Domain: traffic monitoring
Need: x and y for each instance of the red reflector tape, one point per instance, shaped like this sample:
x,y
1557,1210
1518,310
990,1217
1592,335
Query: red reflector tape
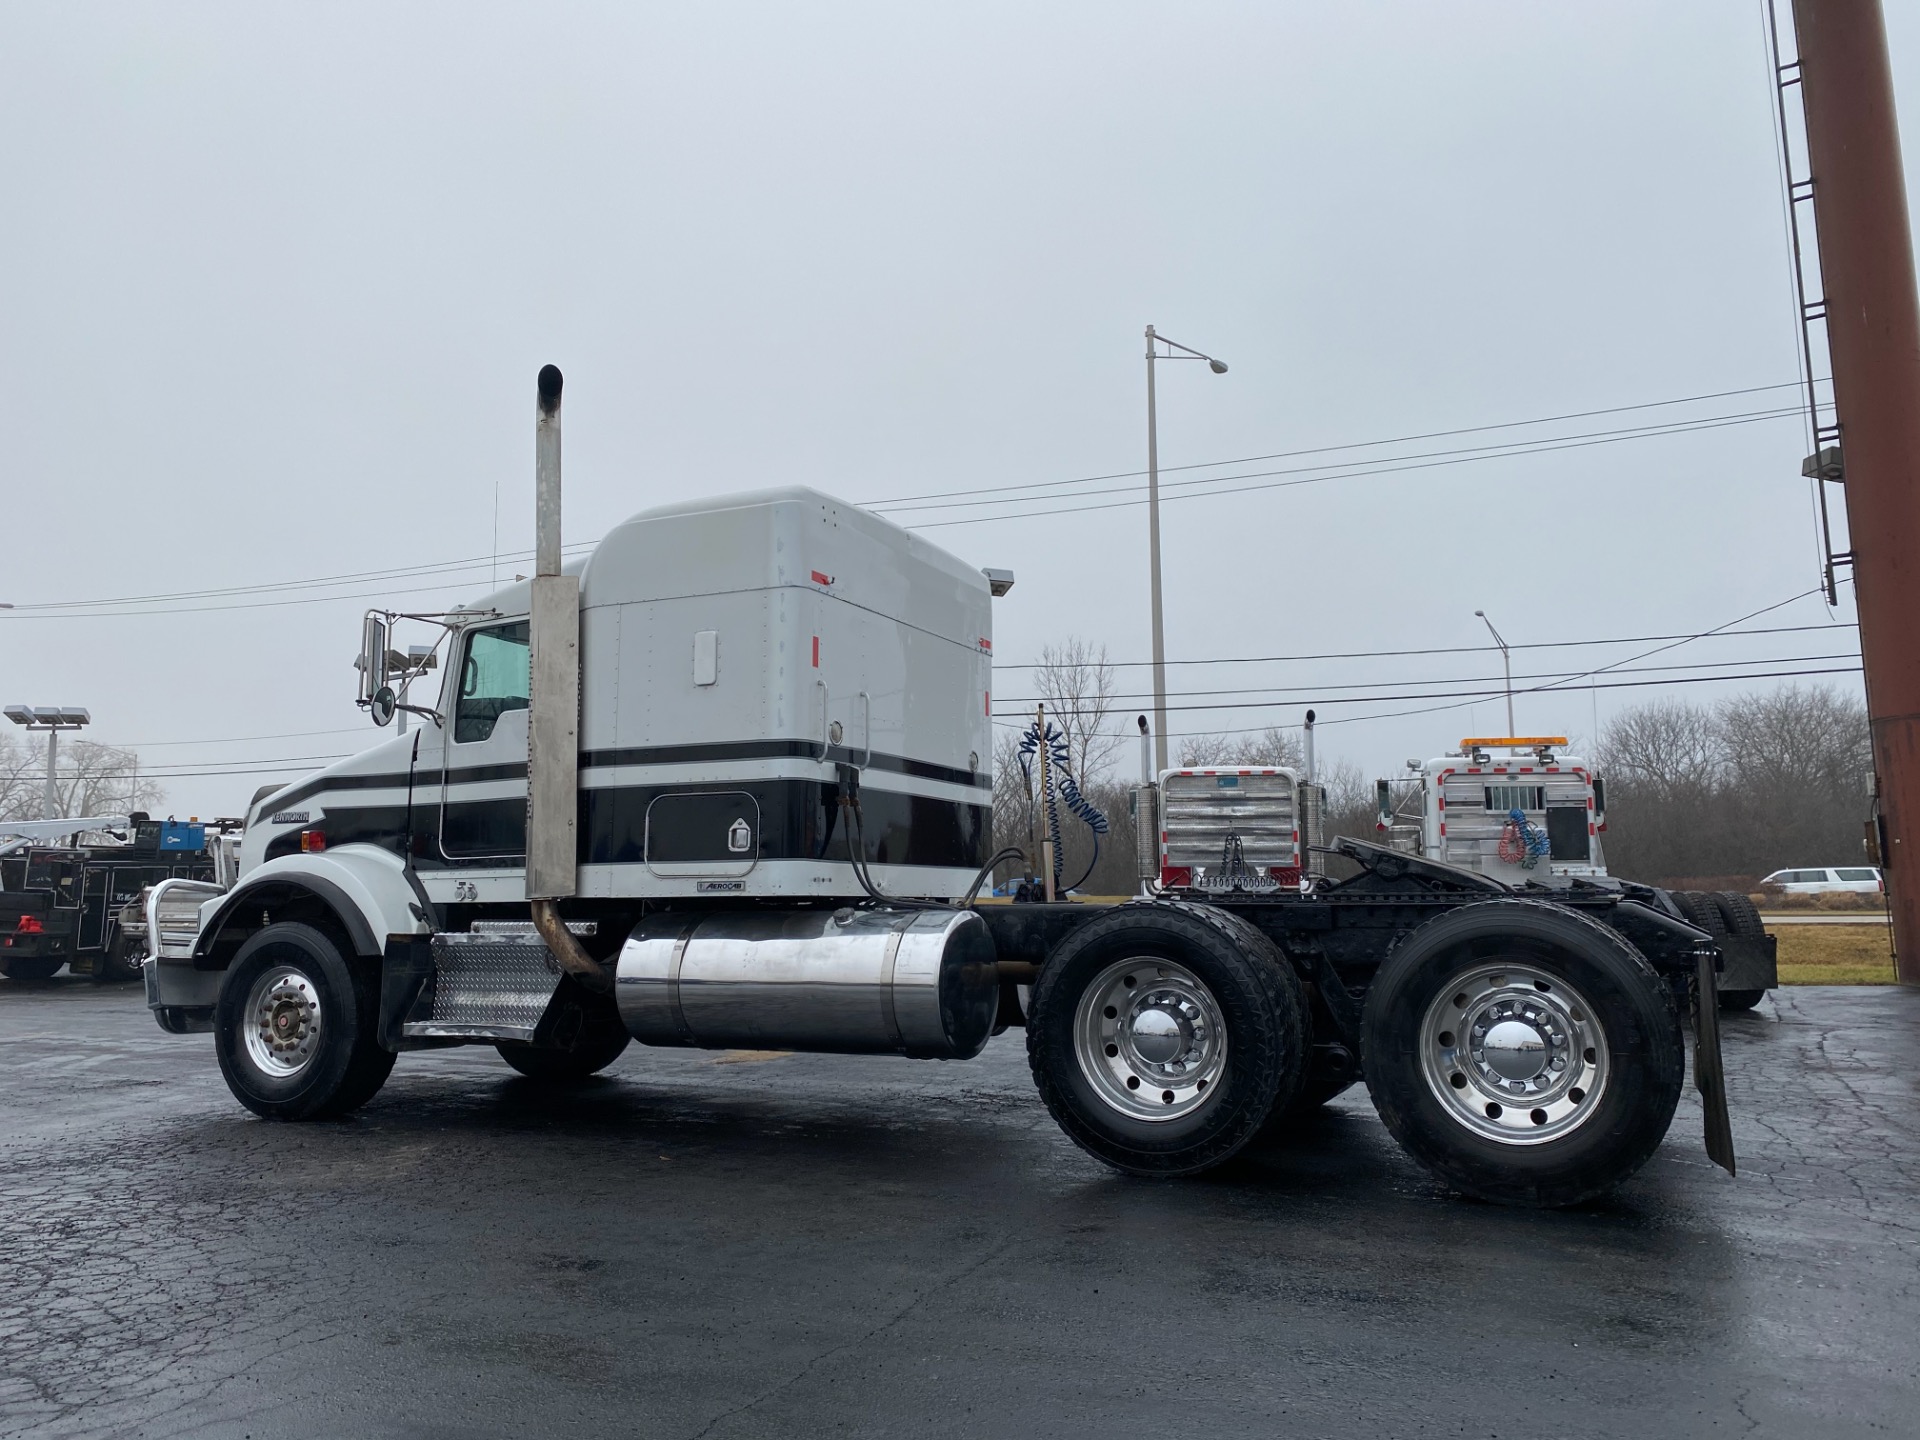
x,y
820,579
816,652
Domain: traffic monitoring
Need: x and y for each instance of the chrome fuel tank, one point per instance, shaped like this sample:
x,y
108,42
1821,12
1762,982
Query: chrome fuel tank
x,y
918,982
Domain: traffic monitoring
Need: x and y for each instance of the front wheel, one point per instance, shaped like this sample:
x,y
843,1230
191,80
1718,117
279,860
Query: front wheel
x,y
1162,1036
1523,1053
119,962
295,1027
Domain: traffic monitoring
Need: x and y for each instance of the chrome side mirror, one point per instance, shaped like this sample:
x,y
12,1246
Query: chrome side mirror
x,y
372,663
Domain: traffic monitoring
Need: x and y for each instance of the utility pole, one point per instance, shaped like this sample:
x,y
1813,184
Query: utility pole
x,y
1873,329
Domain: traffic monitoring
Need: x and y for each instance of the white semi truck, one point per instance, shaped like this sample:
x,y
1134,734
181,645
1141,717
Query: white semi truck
x,y
727,783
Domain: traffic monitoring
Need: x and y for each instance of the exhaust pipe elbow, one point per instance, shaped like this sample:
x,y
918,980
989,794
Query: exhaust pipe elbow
x,y
567,950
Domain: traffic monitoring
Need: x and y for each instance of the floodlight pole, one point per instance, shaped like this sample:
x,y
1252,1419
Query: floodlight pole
x,y
1154,342
52,719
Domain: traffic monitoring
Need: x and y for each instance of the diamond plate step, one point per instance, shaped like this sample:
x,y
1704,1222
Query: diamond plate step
x,y
491,984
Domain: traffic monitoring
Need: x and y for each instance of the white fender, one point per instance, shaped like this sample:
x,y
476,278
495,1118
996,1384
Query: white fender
x,y
365,880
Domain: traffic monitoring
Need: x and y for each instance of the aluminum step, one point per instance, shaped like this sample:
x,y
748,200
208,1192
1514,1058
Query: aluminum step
x,y
493,982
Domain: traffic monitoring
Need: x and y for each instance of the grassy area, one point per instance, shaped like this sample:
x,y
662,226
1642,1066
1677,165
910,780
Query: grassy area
x,y
1834,955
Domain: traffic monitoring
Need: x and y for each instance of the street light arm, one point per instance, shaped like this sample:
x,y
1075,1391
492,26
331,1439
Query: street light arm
x,y
1189,352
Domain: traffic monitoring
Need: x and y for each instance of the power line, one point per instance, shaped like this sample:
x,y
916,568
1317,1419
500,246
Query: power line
x,y
161,771
1467,697
1350,445
1704,634
108,605
224,739
1320,479
1332,698
1482,452
1454,649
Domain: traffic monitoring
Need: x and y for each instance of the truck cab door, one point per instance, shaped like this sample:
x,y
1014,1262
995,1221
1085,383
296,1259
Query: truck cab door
x,y
483,798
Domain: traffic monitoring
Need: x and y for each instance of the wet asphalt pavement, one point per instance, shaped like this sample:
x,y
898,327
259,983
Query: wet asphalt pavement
x,y
725,1245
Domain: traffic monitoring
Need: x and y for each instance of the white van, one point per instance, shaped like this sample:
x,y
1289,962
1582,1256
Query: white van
x,y
1853,879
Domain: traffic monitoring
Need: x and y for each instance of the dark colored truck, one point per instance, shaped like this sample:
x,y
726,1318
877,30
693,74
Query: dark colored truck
x,y
60,905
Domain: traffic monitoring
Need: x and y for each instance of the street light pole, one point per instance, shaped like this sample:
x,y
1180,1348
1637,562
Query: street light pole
x,y
1154,341
1506,664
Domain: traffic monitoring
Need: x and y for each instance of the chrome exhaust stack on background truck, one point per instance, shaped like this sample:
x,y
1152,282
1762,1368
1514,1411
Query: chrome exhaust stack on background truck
x,y
727,783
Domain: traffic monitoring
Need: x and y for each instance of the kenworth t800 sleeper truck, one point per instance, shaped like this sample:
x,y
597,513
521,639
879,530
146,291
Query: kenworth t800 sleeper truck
x,y
727,783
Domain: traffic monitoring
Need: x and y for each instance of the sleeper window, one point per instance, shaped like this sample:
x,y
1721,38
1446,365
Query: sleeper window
x,y
494,678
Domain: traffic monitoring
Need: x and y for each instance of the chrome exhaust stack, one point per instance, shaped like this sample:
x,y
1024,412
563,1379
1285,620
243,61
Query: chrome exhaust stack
x,y
553,735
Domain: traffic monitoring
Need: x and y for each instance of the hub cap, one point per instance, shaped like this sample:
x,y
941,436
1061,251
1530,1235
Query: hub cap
x,y
282,1022
1150,1039
1514,1053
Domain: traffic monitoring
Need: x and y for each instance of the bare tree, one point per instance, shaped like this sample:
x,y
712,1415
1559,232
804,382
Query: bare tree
x,y
1076,680
1272,746
90,779
1756,783
1669,747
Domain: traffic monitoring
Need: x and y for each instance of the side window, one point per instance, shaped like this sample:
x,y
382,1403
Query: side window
x,y
495,677
1860,874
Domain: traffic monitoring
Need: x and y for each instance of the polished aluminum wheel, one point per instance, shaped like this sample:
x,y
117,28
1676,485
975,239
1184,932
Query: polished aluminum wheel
x,y
282,1021
1514,1054
1150,1038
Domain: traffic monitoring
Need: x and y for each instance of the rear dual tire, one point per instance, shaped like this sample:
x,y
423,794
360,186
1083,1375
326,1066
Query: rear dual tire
x,y
589,1036
1723,914
1163,1036
1524,1054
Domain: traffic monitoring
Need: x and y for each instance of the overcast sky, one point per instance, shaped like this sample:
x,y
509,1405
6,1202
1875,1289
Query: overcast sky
x,y
277,281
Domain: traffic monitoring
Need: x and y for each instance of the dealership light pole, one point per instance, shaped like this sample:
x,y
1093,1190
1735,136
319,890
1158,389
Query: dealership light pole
x,y
1506,663
52,719
1154,342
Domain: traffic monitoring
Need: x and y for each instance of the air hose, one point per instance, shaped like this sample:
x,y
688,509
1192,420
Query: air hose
x,y
1522,842
1062,789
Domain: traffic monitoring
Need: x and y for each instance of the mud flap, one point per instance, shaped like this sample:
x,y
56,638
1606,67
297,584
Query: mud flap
x,y
1709,1075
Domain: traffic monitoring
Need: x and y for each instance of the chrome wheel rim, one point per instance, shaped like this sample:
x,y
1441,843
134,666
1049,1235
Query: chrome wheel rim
x,y
1150,1039
283,1022
1514,1054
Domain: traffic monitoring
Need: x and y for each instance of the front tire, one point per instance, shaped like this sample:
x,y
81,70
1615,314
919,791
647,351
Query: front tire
x,y
1523,1053
296,1027
1162,1036
113,965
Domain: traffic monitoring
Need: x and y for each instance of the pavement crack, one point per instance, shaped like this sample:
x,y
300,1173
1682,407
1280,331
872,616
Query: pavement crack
x,y
837,1350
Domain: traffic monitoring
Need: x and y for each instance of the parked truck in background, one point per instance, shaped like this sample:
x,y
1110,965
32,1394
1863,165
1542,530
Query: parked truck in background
x,y
77,904
726,782
1518,808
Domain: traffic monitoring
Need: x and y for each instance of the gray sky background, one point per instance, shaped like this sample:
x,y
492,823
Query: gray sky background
x,y
278,279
